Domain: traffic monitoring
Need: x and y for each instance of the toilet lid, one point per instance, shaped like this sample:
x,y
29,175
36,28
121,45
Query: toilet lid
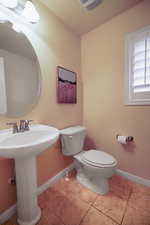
x,y
98,158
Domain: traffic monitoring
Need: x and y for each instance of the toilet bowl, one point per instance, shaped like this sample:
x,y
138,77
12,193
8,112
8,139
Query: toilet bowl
x,y
94,173
94,167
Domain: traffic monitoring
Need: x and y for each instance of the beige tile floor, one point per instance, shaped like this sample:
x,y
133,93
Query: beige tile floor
x,y
69,203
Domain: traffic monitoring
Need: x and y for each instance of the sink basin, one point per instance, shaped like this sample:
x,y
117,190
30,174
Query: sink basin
x,y
24,147
31,142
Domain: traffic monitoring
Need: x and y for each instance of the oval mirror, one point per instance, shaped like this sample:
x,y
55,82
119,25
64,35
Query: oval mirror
x,y
20,81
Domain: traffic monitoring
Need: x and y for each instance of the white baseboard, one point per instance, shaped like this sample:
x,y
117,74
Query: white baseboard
x,y
134,178
8,214
12,210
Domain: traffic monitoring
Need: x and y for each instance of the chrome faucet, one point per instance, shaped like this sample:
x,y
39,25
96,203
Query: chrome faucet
x,y
15,127
24,126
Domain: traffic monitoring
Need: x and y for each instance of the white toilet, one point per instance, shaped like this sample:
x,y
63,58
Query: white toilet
x,y
94,167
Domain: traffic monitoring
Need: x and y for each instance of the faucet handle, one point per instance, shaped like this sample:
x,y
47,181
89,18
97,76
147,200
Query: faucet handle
x,y
22,125
27,122
15,127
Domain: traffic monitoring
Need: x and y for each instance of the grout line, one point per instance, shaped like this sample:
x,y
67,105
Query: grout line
x,y
126,205
95,200
90,206
124,213
106,215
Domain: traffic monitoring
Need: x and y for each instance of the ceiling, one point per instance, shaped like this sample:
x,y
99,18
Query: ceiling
x,y
81,21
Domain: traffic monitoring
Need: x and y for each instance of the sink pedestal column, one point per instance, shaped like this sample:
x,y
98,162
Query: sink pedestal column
x,y
27,208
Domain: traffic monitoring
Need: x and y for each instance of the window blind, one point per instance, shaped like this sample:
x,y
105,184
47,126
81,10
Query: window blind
x,y
137,67
141,66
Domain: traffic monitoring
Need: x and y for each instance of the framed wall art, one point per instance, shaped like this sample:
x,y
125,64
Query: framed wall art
x,y
66,86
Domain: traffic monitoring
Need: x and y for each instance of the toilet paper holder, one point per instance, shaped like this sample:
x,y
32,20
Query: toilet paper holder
x,y
128,138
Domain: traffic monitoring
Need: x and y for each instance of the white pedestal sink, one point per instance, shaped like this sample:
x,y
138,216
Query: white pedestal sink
x,y
24,147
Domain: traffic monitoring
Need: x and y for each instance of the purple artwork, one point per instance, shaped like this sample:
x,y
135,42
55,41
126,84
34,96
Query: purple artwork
x,y
67,86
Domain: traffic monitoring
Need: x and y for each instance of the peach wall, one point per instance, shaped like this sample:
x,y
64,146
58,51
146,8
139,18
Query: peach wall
x,y
54,45
51,162
104,114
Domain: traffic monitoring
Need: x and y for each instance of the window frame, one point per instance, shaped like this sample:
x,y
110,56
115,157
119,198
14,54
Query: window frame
x,y
129,99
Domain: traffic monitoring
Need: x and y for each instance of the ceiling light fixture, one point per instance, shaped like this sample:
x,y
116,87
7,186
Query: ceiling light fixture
x,y
22,8
9,3
30,13
90,4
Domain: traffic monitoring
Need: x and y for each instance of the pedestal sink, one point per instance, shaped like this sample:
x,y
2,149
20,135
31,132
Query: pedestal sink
x,y
24,147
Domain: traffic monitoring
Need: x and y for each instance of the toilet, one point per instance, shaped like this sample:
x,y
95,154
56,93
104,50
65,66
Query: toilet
x,y
94,167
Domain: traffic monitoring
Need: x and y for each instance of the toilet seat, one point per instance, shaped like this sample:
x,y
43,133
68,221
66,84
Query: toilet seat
x,y
98,158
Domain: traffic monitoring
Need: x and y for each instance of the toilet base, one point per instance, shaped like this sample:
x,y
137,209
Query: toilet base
x,y
97,185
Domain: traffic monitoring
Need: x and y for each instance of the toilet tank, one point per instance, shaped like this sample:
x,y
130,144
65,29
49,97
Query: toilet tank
x,y
72,140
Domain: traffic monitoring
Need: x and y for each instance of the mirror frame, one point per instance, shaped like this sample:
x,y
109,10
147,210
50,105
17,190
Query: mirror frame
x,y
25,28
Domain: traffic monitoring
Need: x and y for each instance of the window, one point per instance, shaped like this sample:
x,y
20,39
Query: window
x,y
137,68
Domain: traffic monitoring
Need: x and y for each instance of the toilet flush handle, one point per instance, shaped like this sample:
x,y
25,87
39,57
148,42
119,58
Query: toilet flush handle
x,y
70,137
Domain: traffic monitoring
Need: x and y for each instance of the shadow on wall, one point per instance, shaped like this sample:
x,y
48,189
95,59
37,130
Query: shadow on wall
x,y
89,143
129,147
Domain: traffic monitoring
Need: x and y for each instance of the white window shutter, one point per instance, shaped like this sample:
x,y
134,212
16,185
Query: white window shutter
x,y
137,68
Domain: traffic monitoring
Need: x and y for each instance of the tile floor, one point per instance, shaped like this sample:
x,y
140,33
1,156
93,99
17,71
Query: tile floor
x,y
69,203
